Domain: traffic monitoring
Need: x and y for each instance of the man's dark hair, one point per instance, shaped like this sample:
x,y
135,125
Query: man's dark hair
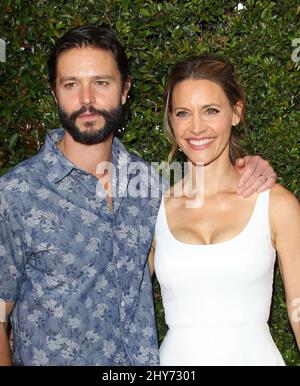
x,y
89,36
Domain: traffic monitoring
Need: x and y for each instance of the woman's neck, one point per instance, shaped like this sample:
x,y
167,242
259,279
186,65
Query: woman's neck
x,y
218,176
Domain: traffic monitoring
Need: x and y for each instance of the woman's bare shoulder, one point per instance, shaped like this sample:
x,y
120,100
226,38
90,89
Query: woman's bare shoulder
x,y
283,202
174,191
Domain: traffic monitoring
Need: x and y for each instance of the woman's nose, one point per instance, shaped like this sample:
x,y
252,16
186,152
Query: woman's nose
x,y
198,125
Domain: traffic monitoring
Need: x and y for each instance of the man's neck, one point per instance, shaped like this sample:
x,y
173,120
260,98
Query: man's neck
x,y
86,157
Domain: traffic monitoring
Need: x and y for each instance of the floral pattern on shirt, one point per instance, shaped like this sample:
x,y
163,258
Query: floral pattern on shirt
x,y
77,271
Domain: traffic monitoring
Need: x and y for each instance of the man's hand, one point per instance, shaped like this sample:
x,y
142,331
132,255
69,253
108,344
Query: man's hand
x,y
5,352
5,347
257,175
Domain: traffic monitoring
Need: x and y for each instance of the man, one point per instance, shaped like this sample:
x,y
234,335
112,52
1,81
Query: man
x,y
73,255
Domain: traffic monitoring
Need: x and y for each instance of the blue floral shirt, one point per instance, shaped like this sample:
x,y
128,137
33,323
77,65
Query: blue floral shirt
x,y
78,271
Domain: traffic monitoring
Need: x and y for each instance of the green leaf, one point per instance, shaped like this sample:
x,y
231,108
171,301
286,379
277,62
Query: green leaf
x,y
13,140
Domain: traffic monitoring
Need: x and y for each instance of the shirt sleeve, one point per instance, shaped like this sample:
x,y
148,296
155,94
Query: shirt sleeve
x,y
11,251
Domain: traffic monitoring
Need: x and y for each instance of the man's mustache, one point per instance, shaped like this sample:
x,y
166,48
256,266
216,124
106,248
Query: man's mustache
x,y
90,110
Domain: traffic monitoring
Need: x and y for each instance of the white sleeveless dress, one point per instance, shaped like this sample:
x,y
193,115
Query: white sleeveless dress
x,y
217,297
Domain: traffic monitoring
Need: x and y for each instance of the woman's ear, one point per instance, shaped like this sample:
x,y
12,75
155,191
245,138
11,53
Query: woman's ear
x,y
237,113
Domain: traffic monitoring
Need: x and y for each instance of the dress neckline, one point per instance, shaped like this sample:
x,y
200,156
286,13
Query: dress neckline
x,y
235,238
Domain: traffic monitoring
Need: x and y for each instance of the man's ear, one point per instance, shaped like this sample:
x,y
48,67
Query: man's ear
x,y
54,96
125,90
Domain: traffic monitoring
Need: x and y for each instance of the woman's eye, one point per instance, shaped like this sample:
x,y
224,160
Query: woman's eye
x,y
181,114
212,111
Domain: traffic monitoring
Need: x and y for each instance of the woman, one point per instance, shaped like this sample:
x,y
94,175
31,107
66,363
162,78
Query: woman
x,y
214,261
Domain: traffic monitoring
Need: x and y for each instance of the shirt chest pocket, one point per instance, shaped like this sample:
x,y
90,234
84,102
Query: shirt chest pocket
x,y
51,262
52,272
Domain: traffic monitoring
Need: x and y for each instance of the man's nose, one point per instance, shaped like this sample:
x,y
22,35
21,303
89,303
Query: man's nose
x,y
86,95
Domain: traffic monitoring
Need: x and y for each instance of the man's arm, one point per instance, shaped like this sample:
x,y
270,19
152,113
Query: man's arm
x,y
12,262
5,352
257,175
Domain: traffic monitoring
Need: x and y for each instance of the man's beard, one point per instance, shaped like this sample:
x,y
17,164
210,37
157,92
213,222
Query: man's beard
x,y
113,120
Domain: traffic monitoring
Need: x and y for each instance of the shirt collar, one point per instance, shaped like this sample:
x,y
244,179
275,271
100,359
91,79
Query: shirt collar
x,y
60,166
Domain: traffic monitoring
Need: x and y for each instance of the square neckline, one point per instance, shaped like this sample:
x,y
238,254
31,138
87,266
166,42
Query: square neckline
x,y
239,235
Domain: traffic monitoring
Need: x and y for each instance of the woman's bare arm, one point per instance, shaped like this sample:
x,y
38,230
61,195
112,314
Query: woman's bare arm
x,y
151,257
285,225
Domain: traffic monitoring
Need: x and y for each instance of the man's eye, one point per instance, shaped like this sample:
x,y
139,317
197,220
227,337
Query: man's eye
x,y
212,111
101,83
181,114
69,85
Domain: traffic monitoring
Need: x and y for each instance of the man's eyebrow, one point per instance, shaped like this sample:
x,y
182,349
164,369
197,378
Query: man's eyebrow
x,y
74,78
103,76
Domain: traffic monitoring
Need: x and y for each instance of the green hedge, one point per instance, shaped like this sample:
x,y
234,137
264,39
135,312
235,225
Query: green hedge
x,y
257,39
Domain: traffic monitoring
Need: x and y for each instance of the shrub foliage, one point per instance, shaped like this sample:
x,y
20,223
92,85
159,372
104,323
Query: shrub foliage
x,y
257,39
